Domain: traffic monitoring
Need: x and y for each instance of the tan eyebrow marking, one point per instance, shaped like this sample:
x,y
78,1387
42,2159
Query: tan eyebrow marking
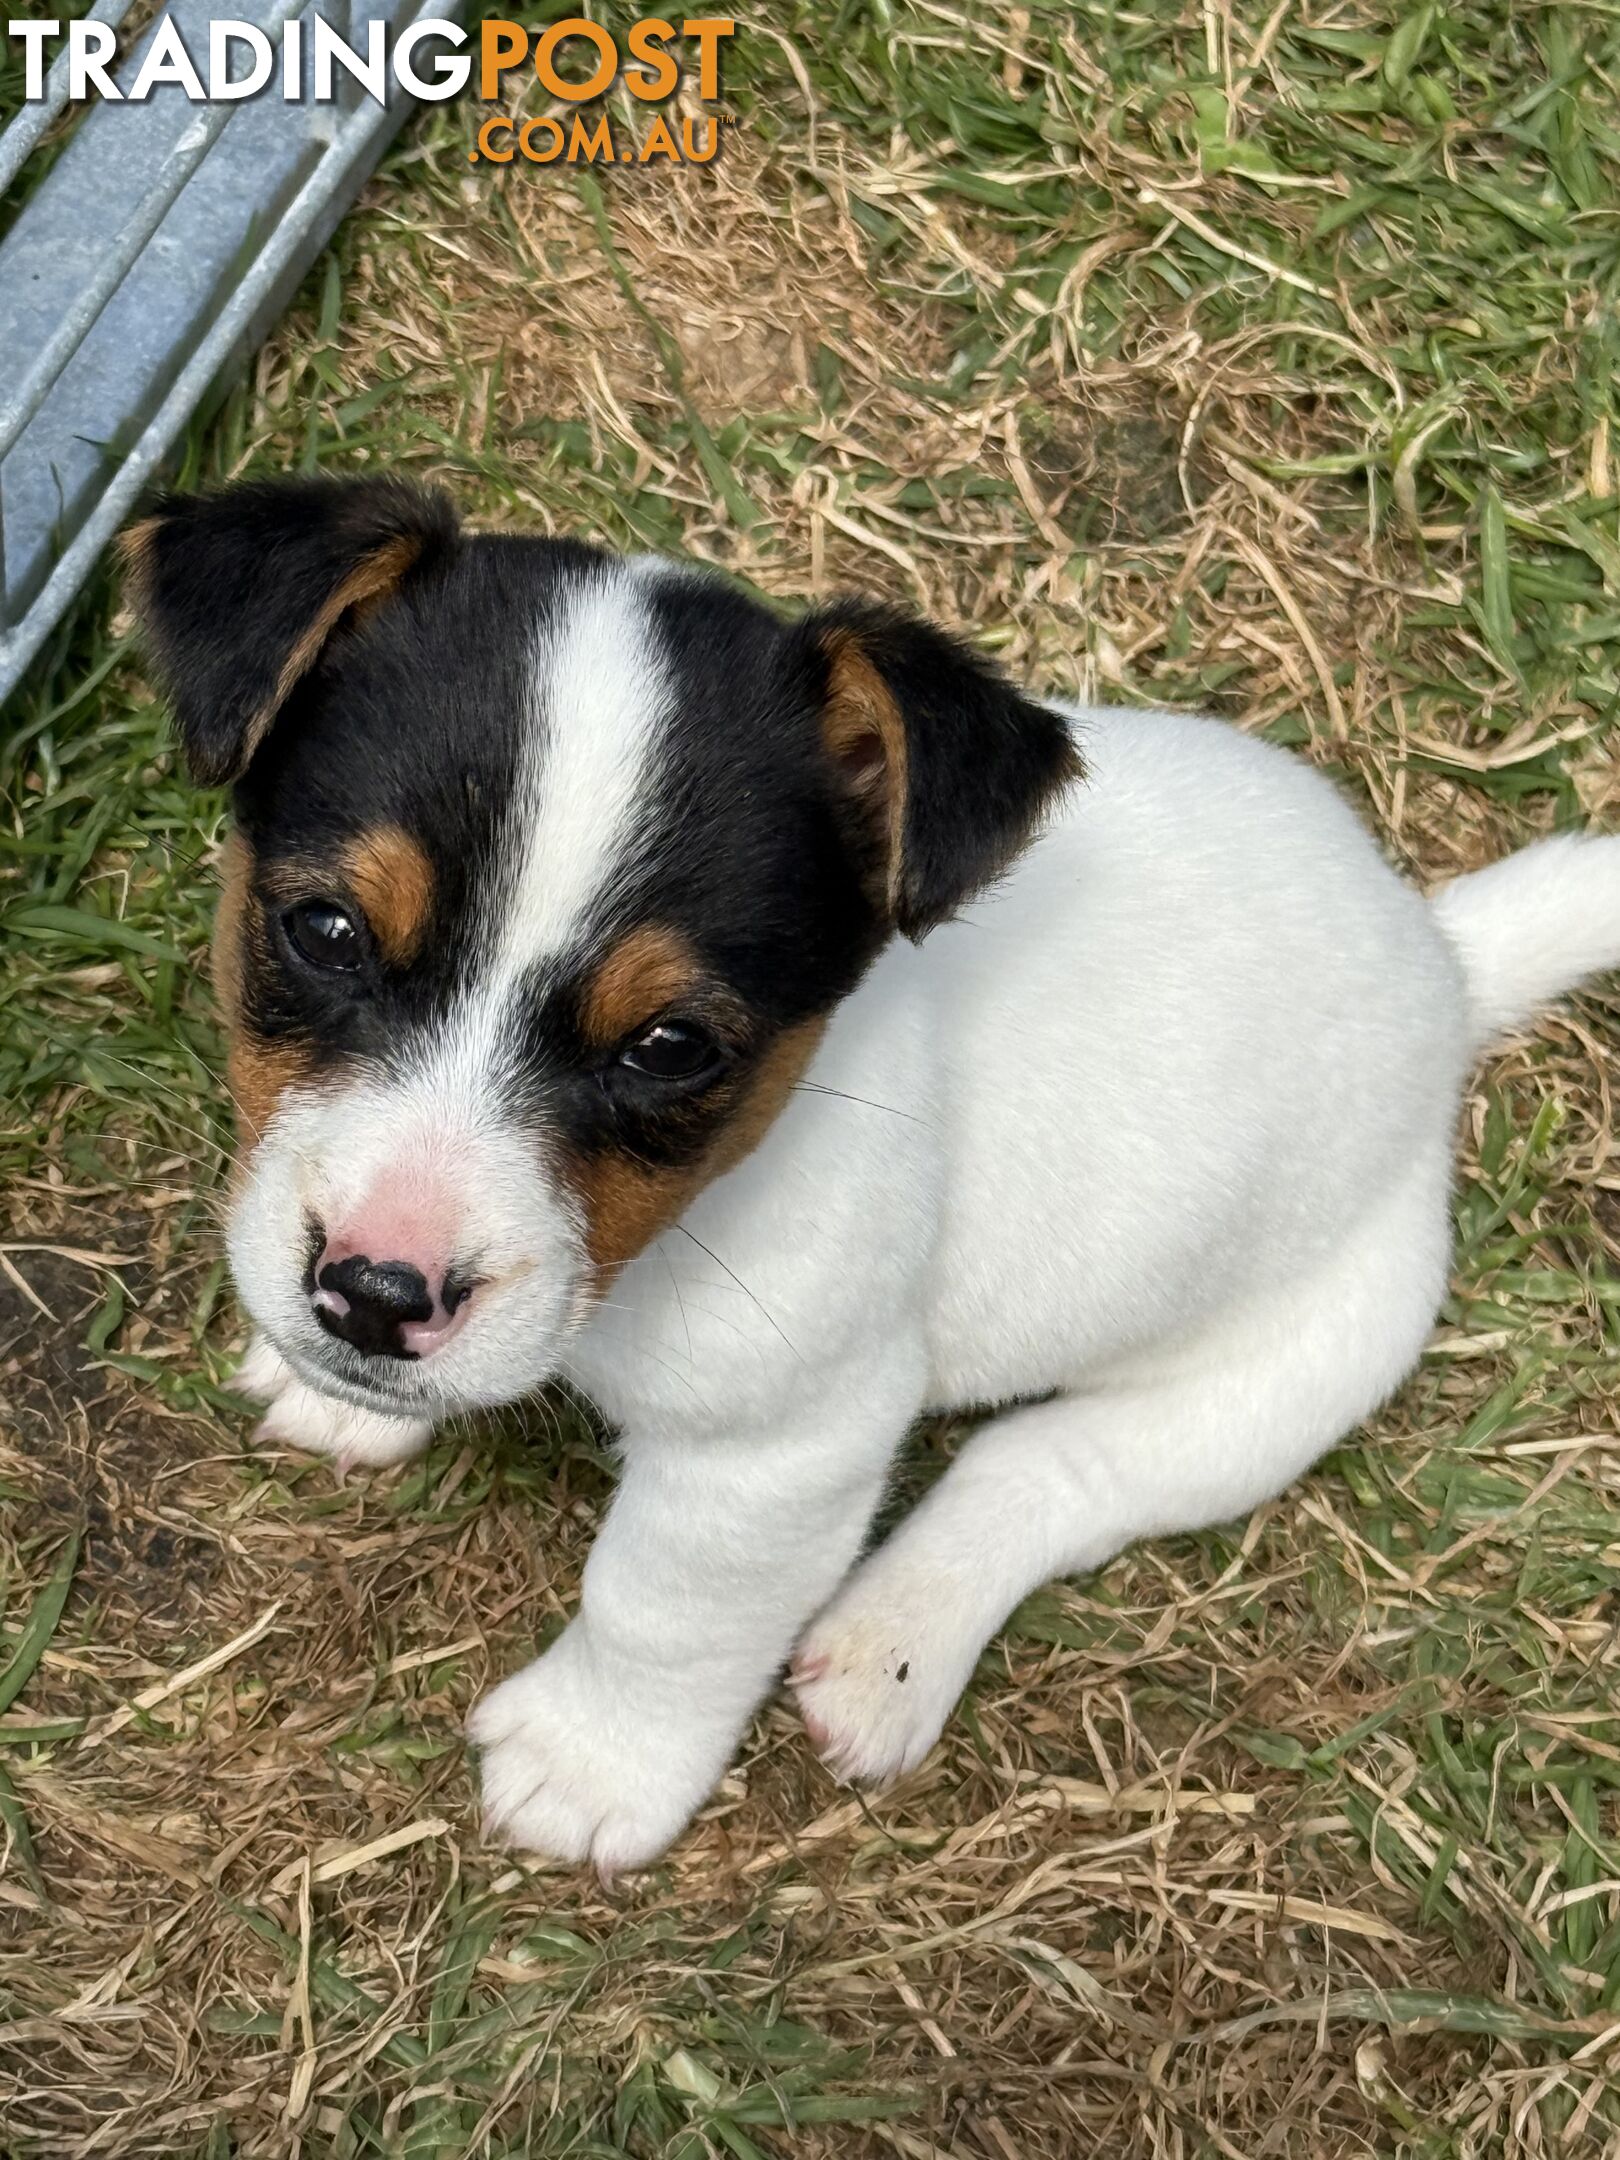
x,y
650,969
392,878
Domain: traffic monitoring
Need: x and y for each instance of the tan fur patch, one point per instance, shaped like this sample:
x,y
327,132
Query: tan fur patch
x,y
864,733
392,879
774,1079
230,917
626,1203
648,971
134,548
258,1073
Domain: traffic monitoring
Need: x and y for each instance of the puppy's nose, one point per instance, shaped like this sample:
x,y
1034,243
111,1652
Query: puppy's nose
x,y
386,1308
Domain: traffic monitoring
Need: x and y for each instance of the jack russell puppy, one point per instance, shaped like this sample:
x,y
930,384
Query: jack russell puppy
x,y
777,1030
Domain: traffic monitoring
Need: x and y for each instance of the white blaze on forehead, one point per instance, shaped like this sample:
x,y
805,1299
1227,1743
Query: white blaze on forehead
x,y
600,697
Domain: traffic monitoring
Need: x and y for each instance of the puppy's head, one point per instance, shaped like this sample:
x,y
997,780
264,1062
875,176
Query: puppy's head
x,y
548,868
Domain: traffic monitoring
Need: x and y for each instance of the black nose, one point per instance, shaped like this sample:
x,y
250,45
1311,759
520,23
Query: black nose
x,y
366,1302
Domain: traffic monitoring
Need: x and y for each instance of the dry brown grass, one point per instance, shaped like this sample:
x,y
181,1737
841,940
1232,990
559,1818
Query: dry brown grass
x,y
1294,1839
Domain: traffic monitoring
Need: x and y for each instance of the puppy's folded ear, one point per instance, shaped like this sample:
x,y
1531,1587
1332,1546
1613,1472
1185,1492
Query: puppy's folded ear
x,y
239,591
946,767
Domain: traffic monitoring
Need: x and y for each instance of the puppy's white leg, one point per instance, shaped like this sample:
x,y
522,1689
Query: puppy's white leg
x,y
1060,1487
715,1553
299,1417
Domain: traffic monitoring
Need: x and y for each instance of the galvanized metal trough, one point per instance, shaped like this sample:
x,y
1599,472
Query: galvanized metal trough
x,y
149,261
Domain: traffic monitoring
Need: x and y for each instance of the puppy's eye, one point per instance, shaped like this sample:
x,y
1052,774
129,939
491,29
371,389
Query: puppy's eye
x,y
674,1050
325,935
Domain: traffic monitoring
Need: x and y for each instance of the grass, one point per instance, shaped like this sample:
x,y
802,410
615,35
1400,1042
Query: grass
x,y
1259,360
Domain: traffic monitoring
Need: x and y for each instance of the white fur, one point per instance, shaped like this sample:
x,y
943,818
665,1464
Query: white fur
x,y
600,700
1530,926
1160,1130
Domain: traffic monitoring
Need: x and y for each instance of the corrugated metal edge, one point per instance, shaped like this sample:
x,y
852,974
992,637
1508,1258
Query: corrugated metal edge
x,y
267,286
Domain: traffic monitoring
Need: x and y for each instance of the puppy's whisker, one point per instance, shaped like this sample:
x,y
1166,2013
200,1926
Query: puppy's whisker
x,y
674,1284
741,1285
217,1143
153,1080
816,1087
725,1320
637,1313
638,1348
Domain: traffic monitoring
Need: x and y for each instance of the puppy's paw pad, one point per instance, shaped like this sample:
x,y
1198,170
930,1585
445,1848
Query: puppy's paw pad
x,y
315,1424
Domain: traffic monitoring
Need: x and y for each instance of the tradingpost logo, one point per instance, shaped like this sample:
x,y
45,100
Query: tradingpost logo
x,y
575,61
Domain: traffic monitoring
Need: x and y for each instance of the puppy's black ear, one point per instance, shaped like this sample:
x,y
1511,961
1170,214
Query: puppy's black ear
x,y
946,767
239,591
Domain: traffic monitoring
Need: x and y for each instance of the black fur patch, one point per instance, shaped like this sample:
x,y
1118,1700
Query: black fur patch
x,y
229,585
982,760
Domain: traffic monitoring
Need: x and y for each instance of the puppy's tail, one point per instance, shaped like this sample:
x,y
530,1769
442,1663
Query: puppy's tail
x,y
1534,925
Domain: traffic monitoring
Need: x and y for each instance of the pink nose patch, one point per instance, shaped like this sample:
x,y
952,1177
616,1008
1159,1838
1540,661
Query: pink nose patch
x,y
422,1337
414,1223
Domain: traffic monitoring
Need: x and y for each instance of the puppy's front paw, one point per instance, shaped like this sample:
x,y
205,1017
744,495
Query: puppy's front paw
x,y
573,1769
319,1426
299,1417
263,1373
876,1677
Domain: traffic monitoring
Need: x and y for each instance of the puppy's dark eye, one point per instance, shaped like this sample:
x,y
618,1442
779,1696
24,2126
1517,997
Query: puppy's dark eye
x,y
674,1050
325,935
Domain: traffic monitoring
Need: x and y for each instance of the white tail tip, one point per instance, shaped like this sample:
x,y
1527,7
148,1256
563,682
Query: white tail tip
x,y
1533,926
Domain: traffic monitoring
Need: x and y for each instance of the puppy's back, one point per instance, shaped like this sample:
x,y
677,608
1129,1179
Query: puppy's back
x,y
1190,1039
